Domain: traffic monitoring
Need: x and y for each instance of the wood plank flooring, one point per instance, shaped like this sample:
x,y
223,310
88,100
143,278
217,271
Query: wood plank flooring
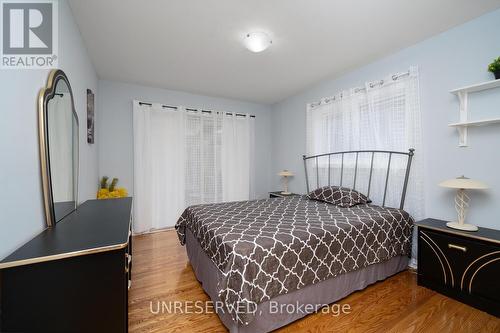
x,y
161,272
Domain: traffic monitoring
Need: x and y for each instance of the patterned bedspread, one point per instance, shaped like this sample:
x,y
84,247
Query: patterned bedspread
x,y
265,248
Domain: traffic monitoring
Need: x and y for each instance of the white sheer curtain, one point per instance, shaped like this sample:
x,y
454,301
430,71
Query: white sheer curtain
x,y
159,165
203,155
184,157
236,162
383,115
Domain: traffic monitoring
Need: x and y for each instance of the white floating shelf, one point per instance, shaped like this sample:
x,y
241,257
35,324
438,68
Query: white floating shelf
x,y
478,87
464,123
476,122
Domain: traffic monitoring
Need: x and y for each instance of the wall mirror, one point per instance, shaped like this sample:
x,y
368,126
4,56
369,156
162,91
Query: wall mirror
x,y
58,136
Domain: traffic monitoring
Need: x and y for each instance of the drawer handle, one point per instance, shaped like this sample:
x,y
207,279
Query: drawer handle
x,y
128,259
457,247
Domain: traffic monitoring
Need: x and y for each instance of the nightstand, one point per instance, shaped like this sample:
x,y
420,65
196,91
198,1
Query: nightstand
x,y
460,264
277,194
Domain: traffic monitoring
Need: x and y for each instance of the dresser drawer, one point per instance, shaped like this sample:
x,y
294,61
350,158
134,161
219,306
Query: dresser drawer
x,y
466,265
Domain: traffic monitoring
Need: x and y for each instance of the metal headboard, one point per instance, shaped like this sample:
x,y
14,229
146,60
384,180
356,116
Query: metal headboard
x,y
410,154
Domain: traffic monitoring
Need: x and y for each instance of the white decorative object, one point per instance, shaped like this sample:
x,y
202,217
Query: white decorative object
x,y
462,200
463,96
285,174
257,41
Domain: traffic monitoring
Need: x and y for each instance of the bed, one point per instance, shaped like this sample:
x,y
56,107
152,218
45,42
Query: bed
x,y
253,257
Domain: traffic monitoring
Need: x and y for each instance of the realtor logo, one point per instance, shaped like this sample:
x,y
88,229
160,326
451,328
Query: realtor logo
x,y
29,34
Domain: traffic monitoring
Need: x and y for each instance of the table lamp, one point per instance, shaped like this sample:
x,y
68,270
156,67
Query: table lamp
x,y
285,174
462,199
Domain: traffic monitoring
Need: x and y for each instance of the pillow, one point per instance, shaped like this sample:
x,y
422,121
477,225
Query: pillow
x,y
339,196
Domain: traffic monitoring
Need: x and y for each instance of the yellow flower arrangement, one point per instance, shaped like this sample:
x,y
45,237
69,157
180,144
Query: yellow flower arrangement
x,y
104,193
111,192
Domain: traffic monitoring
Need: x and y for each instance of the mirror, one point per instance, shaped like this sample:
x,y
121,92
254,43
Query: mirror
x,y
58,127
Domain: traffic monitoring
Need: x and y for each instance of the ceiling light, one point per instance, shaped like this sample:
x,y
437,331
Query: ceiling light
x,y
257,41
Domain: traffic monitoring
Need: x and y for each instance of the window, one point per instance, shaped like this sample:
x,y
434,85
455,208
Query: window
x,y
383,115
185,157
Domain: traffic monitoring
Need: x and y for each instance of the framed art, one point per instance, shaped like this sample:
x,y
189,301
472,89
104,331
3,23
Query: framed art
x,y
90,116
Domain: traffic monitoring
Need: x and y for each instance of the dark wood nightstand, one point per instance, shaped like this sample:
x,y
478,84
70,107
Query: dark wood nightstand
x,y
460,264
277,194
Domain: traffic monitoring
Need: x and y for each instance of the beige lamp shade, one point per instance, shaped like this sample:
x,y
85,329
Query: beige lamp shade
x,y
462,200
285,173
464,183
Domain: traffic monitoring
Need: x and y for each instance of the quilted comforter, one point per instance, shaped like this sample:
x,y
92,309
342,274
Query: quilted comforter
x,y
265,248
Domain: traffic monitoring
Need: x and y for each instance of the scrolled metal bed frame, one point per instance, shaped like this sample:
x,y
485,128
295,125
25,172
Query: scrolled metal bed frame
x,y
410,154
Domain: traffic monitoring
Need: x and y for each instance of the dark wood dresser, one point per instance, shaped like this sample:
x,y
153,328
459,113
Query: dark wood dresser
x,y
460,264
73,277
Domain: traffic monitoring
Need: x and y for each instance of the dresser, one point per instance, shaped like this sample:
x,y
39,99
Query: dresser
x,y
73,277
460,264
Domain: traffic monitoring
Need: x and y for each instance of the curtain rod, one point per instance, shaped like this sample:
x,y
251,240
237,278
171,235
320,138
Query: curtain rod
x,y
372,84
381,82
194,109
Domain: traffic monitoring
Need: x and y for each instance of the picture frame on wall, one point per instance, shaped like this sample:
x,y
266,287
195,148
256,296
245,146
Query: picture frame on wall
x,y
90,117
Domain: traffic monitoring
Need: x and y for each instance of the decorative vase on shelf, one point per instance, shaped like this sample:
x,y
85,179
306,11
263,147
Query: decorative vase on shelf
x,y
497,74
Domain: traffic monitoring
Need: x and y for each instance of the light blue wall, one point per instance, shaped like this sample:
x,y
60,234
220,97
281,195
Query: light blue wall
x,y
21,209
116,133
453,59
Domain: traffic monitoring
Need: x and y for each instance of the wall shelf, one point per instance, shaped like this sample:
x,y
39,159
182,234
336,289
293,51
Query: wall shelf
x,y
477,122
478,87
464,123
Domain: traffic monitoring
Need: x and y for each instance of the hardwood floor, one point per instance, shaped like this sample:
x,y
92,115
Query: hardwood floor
x,y
161,272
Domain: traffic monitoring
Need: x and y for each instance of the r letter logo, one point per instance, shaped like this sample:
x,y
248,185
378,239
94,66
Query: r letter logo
x,y
29,34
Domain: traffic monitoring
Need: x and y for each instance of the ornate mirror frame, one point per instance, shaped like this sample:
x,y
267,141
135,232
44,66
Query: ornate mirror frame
x,y
44,96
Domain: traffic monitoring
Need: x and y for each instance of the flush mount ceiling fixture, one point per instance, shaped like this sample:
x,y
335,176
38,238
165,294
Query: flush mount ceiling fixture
x,y
257,41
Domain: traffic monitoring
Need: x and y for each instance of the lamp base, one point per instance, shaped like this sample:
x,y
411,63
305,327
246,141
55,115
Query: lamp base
x,y
286,193
465,226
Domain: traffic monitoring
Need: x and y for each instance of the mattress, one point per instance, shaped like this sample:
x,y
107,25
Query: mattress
x,y
268,248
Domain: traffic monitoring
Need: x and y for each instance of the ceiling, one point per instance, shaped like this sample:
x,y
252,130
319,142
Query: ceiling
x,y
196,45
